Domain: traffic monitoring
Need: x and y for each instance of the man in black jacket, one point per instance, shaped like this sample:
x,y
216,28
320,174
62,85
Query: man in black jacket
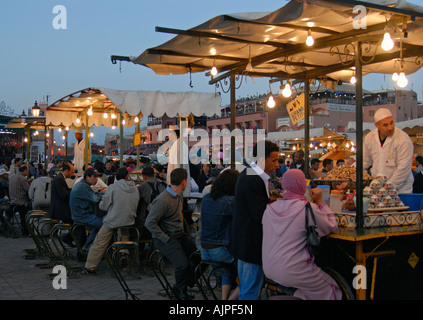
x,y
59,206
251,199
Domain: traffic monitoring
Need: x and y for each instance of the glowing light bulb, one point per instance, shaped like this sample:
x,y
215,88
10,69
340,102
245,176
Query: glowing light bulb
x,y
90,112
271,102
213,71
353,80
67,128
64,137
309,41
395,76
47,134
78,120
287,92
136,120
60,129
402,80
25,139
91,134
105,115
249,66
113,127
387,43
123,122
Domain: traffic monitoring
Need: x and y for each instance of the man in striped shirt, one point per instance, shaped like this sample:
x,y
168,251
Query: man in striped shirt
x,y
18,192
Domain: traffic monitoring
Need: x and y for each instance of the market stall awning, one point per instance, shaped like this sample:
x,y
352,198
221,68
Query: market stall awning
x,y
298,135
274,43
105,105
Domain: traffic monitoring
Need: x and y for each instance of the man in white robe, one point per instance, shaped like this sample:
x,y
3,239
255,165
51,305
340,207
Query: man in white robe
x,y
389,151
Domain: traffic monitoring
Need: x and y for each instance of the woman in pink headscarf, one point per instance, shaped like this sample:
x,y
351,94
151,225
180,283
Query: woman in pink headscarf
x,y
286,259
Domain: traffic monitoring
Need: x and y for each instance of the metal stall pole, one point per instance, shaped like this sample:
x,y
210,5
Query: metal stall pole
x,y
233,115
87,142
359,137
137,131
45,147
121,140
66,146
307,126
28,149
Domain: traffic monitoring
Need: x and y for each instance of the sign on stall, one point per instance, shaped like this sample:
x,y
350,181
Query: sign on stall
x,y
137,139
296,109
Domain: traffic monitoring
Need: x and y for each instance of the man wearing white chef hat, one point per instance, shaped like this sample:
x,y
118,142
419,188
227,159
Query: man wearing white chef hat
x,y
389,151
79,152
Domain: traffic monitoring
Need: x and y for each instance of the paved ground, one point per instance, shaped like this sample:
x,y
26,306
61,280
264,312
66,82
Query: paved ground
x,y
22,279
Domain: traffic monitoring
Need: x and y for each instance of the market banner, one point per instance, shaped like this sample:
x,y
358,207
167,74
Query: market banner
x,y
296,108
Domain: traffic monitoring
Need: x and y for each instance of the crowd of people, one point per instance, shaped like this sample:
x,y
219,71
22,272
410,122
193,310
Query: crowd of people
x,y
240,225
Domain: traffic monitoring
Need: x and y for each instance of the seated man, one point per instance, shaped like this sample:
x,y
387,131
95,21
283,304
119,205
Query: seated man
x,y
40,191
120,202
18,192
165,224
82,203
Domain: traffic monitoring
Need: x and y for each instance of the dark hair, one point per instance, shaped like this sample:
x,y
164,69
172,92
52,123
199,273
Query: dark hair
x,y
177,176
121,173
224,184
419,159
313,161
148,172
326,162
42,173
23,168
99,166
269,147
206,164
66,166
300,153
158,167
281,160
18,159
339,161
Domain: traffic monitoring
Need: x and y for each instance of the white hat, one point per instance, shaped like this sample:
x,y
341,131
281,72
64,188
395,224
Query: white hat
x,y
3,171
78,130
382,113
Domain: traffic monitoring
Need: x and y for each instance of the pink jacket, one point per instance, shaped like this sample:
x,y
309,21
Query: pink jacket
x,y
285,257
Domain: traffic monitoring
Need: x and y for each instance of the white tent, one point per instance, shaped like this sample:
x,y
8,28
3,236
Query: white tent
x,y
72,109
274,43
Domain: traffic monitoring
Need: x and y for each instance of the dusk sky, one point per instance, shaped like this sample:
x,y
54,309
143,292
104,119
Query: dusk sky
x,y
38,60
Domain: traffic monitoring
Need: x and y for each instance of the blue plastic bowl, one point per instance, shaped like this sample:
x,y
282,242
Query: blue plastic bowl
x,y
412,200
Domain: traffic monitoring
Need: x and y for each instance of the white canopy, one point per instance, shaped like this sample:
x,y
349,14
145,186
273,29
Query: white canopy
x,y
274,42
139,103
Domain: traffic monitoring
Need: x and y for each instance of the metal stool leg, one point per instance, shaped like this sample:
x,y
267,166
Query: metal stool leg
x,y
61,251
31,219
113,254
157,264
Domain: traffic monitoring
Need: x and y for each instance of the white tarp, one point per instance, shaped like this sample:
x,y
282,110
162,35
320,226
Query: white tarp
x,y
275,41
133,103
